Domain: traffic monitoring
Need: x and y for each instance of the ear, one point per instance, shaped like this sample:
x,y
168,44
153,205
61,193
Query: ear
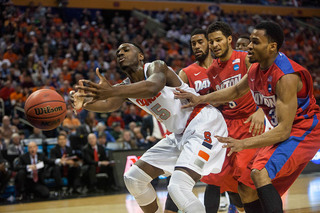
x,y
141,57
273,47
229,39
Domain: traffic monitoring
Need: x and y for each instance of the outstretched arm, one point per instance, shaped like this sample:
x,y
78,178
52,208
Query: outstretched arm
x,y
286,107
143,89
218,97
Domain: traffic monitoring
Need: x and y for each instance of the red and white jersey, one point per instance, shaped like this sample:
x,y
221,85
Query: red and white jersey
x,y
263,88
198,78
226,74
165,107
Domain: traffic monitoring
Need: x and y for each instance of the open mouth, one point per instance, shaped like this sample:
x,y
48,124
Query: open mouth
x,y
121,59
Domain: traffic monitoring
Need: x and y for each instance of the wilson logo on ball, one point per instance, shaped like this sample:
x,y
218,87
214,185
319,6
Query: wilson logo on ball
x,y
47,110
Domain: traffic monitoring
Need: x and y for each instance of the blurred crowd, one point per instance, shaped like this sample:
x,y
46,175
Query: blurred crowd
x,y
41,48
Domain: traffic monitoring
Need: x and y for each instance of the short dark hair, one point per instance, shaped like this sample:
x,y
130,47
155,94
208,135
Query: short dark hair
x,y
102,135
220,26
273,31
246,36
199,31
134,44
62,134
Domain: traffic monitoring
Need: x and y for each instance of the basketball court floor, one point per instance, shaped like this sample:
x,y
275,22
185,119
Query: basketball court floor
x,y
303,197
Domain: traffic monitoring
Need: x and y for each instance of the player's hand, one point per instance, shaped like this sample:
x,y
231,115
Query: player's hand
x,y
234,144
100,91
193,99
257,122
76,100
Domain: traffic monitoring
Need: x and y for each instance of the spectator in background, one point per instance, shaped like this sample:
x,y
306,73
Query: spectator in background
x,y
152,129
10,55
101,128
17,97
88,126
16,122
132,116
15,147
127,140
116,130
70,168
70,122
3,145
5,92
31,171
7,129
102,139
37,134
141,142
95,161
115,117
5,174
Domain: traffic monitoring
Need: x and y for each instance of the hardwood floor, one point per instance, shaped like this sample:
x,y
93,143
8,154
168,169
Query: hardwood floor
x,y
303,197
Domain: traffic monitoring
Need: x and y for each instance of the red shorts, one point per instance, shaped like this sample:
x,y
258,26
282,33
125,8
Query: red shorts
x,y
286,160
234,165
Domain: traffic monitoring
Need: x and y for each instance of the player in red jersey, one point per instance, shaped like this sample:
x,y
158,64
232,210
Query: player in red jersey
x,y
196,74
241,115
243,42
284,90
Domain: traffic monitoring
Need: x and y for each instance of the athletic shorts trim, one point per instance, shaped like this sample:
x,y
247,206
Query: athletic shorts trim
x,y
285,150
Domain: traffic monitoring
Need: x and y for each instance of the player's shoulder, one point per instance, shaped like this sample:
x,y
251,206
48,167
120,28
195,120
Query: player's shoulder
x,y
286,65
191,67
239,53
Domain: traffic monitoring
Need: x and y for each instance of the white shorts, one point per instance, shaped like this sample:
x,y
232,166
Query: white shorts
x,y
196,149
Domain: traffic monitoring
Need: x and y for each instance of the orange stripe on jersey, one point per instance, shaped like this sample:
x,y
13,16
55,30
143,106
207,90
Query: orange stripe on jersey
x,y
195,112
204,155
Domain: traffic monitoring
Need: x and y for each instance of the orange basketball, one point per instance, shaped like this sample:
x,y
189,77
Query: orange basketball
x,y
45,109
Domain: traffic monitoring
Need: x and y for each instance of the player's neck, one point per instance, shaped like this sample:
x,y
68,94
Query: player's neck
x,y
206,63
266,64
135,73
227,56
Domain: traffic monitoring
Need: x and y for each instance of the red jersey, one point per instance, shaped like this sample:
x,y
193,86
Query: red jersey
x,y
198,78
226,74
263,88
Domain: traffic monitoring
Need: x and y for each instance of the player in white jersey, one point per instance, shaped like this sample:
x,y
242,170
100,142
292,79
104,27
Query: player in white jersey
x,y
190,152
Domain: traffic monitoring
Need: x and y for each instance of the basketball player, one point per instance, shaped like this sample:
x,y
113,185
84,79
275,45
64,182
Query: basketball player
x,y
241,115
284,90
187,154
196,76
243,42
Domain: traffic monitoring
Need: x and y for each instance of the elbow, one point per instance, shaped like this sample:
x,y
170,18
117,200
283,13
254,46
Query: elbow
x,y
152,89
285,133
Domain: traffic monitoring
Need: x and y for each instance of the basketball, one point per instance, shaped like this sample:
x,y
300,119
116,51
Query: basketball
x,y
45,109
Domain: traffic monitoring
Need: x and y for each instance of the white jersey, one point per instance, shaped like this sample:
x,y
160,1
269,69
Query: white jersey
x,y
165,107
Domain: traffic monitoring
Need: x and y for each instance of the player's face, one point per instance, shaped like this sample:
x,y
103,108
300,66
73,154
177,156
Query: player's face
x,y
242,44
219,44
258,47
128,55
200,47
